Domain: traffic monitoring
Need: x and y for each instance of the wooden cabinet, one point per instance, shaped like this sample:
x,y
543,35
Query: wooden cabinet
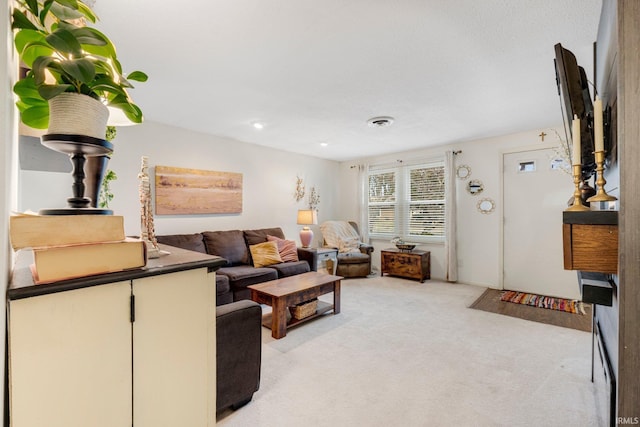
x,y
590,241
411,265
70,358
132,348
174,349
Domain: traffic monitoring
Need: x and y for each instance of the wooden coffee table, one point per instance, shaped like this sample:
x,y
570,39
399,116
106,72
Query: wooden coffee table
x,y
289,291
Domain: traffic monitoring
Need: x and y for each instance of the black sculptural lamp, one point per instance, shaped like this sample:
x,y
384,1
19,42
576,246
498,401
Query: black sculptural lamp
x,y
78,147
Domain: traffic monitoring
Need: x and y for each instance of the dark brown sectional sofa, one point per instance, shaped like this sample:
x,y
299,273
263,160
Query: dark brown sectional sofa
x,y
238,321
233,245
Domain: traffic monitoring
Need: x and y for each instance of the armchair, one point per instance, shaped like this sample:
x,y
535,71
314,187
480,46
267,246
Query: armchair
x,y
354,257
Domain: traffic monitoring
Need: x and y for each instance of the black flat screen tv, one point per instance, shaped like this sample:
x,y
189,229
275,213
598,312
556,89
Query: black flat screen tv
x,y
573,89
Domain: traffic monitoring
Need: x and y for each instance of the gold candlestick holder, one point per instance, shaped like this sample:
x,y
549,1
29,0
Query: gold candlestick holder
x,y
577,199
601,194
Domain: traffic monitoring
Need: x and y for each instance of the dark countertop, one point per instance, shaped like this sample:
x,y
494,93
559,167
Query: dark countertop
x,y
590,217
22,285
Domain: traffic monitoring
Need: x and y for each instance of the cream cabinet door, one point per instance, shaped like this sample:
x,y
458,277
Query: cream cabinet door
x,y
174,350
70,358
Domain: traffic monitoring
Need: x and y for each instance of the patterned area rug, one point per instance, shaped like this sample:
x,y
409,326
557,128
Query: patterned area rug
x,y
541,301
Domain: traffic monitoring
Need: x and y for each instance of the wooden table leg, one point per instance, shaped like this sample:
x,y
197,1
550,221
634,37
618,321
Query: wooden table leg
x,y
336,297
278,318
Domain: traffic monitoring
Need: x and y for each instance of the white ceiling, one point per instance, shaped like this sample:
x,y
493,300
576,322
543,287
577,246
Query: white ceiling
x,y
315,71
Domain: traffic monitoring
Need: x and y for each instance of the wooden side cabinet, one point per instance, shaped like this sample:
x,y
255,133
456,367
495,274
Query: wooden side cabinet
x,y
590,241
70,358
129,348
411,265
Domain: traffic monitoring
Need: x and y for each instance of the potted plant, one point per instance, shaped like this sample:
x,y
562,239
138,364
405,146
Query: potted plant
x,y
70,64
97,176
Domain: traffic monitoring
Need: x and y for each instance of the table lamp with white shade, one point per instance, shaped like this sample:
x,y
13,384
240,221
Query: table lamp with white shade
x,y
307,217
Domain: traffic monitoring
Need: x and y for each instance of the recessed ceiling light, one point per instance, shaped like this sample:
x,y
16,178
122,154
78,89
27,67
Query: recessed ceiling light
x,y
258,125
324,144
380,121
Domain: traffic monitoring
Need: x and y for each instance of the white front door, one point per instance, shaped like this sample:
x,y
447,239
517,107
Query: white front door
x,y
535,195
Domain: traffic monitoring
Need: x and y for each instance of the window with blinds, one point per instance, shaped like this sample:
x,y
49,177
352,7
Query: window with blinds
x,y
407,201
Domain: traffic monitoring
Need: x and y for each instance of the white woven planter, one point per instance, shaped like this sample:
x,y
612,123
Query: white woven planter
x,y
77,114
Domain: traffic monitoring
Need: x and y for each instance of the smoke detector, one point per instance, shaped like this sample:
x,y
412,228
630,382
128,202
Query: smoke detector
x,y
380,122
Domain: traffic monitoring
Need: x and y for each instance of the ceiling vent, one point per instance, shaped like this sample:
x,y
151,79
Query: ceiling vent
x,y
380,122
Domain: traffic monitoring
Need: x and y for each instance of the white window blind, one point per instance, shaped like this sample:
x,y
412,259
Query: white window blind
x,y
382,202
407,201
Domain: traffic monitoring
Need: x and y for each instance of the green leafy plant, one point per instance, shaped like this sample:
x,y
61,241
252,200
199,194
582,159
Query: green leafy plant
x,y
106,195
110,133
63,54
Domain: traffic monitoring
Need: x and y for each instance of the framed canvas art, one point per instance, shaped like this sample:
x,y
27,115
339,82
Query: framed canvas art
x,y
181,191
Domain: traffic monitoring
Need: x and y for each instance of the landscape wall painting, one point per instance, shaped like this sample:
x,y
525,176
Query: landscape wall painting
x,y
182,191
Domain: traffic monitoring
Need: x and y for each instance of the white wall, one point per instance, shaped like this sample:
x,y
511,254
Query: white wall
x,y
269,180
7,169
479,235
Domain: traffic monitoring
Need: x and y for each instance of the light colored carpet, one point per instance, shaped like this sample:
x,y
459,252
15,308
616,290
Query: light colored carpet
x,y
412,354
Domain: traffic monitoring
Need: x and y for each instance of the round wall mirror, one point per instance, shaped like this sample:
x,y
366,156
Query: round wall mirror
x,y
475,187
463,171
486,206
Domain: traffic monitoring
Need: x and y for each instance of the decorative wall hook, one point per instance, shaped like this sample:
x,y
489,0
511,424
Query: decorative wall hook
x,y
300,189
314,198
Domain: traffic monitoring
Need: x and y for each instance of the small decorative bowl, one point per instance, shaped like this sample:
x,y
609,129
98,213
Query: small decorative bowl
x,y
405,247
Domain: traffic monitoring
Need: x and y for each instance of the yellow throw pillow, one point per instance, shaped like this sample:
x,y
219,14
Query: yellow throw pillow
x,y
265,254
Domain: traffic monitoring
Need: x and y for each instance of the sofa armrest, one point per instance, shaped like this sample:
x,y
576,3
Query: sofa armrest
x,y
239,352
366,249
311,256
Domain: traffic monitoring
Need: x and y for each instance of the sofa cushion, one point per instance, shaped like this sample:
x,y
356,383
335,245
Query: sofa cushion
x,y
264,254
260,235
229,245
223,290
191,242
241,276
291,268
286,248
